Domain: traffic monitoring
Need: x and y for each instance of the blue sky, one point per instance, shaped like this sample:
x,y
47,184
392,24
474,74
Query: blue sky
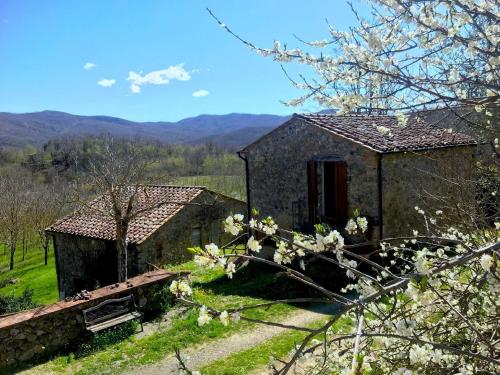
x,y
44,46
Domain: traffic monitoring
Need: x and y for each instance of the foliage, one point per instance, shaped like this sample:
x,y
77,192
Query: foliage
x,y
158,303
70,158
11,304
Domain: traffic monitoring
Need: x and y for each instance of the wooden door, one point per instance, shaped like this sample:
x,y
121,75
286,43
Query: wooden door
x,y
335,193
340,193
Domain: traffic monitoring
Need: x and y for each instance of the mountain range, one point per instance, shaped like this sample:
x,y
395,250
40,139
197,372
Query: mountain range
x,y
233,130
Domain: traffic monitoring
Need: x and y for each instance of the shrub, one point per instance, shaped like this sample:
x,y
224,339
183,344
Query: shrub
x,y
11,304
158,303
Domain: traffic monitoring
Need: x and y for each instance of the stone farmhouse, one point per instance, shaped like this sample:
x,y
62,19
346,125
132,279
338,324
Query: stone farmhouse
x,y
84,244
319,168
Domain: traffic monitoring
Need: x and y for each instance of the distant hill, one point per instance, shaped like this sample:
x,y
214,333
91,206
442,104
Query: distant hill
x,y
235,130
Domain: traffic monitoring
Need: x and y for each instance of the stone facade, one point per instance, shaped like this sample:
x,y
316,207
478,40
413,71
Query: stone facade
x,y
277,173
51,328
423,179
87,263
197,224
83,263
384,187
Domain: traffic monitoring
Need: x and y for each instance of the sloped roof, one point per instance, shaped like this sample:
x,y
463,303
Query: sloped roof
x,y
160,203
383,134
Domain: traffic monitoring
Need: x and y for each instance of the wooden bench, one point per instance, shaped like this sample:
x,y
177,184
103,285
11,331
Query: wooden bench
x,y
110,313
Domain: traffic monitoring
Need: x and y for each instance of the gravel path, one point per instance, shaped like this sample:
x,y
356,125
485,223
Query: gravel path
x,y
204,354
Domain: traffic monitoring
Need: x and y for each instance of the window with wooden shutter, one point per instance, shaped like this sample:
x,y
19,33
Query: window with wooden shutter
x,y
334,207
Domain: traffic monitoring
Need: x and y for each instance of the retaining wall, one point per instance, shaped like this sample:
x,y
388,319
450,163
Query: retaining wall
x,y
47,329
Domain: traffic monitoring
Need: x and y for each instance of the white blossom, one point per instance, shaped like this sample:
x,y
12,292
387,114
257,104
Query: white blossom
x,y
230,269
351,227
486,262
224,318
180,288
253,244
362,224
204,317
229,226
419,355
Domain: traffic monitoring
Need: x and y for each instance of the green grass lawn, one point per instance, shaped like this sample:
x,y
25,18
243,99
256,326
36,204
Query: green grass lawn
x,y
247,360
31,273
252,285
233,186
279,346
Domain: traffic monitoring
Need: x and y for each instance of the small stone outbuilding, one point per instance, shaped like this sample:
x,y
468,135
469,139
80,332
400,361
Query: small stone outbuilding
x,y
320,168
84,242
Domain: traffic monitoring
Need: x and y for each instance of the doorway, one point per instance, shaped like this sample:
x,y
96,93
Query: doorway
x,y
327,192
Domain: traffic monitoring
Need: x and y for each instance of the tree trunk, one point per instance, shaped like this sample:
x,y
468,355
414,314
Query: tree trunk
x,y
46,249
24,247
12,251
121,249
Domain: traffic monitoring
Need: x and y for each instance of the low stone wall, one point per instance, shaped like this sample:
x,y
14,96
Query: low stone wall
x,y
47,329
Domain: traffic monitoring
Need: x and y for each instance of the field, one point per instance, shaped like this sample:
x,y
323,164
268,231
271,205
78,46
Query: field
x,y
30,274
232,186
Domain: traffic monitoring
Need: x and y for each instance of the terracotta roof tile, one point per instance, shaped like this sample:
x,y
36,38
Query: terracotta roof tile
x,y
416,135
94,223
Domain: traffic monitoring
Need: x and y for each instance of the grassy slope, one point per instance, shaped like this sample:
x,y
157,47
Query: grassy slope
x,y
233,186
211,288
31,273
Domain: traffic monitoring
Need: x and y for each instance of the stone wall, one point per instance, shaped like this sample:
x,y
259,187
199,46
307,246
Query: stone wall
x,y
425,179
51,328
83,263
278,172
169,244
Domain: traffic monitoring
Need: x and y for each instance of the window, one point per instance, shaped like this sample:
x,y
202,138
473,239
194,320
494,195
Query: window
x,y
159,250
214,231
196,236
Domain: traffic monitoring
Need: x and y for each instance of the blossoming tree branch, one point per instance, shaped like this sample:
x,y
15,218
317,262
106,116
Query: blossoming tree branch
x,y
432,307
410,55
426,303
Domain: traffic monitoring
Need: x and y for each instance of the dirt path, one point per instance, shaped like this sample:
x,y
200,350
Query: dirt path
x,y
204,354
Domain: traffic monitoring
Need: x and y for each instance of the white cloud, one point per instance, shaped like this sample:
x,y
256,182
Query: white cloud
x,y
200,93
89,65
136,89
106,82
157,77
